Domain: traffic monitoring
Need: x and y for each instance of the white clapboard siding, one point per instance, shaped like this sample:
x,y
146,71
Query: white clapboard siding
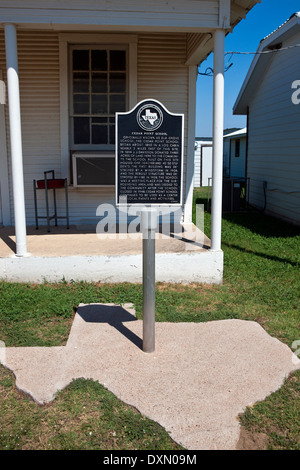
x,y
201,175
191,14
206,171
197,167
6,130
40,107
274,137
162,75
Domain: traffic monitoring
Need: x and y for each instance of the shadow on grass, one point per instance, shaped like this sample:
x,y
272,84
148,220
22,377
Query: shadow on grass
x,y
257,222
202,200
263,225
262,255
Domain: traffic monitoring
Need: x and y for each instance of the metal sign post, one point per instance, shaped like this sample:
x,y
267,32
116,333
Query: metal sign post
x,y
149,150
149,226
149,172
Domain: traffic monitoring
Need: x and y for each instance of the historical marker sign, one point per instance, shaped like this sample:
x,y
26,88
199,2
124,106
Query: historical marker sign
x,y
149,149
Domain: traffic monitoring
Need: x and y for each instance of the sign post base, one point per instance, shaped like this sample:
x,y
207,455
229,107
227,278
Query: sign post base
x,y
149,226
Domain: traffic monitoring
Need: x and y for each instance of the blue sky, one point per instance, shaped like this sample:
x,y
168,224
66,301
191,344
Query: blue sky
x,y
260,21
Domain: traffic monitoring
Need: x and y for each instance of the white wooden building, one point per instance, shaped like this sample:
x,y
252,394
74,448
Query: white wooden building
x,y
235,149
270,95
203,161
68,66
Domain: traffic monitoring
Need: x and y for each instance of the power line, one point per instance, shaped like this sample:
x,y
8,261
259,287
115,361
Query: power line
x,y
209,71
270,51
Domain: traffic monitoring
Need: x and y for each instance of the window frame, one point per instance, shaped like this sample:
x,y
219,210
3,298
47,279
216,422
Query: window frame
x,y
106,47
98,40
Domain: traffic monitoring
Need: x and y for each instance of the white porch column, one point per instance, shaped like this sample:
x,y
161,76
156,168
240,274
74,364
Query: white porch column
x,y
218,123
188,207
15,138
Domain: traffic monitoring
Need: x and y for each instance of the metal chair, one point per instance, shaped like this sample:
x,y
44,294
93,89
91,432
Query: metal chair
x,y
53,184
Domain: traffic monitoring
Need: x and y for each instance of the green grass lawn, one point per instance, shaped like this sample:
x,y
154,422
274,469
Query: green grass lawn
x,y
261,283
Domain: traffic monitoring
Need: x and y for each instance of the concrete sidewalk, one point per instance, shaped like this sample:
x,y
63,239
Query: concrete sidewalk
x,y
196,383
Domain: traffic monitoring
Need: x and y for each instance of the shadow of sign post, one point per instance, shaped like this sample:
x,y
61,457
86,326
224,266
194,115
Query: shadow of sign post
x,y
113,315
149,169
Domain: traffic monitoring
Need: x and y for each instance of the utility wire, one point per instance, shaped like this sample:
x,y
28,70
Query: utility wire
x,y
209,71
270,51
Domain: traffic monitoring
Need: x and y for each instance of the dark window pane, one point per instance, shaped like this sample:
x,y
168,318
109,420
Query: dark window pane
x,y
117,60
99,60
117,103
81,130
99,134
81,104
80,82
112,135
99,104
117,82
99,91
99,83
96,170
237,147
80,60
102,120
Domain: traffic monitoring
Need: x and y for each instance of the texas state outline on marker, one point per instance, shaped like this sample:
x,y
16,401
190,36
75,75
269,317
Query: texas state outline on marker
x,y
151,117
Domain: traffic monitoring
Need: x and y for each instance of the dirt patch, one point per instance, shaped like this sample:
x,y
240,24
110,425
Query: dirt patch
x,y
252,441
183,287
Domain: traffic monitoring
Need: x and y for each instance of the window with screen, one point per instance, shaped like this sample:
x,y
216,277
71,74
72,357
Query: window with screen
x,y
98,91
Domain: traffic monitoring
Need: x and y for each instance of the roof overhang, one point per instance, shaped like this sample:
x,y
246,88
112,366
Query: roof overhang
x,y
204,42
198,19
261,61
237,134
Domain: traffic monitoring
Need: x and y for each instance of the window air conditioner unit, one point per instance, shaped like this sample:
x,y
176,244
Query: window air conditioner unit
x,y
93,169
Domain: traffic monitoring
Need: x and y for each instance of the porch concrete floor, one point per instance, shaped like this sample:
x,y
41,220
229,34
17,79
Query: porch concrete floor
x,y
83,241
